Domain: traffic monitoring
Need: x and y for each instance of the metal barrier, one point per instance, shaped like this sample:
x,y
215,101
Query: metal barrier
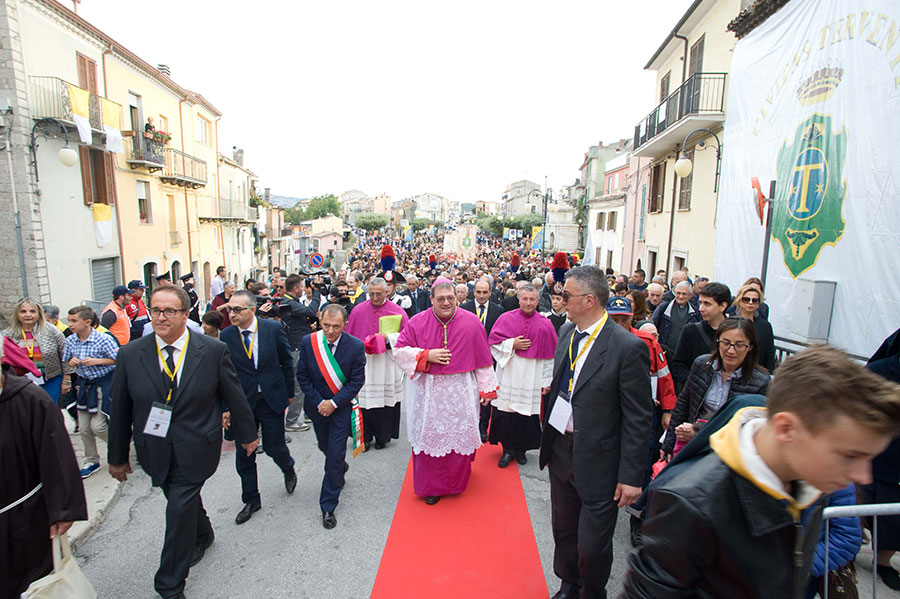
x,y
785,347
859,511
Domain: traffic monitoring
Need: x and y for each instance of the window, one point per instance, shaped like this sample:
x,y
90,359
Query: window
x,y
611,221
103,278
609,182
677,263
696,64
202,130
172,222
149,274
134,112
657,186
609,259
597,256
664,86
98,184
651,260
163,124
643,211
684,194
176,270
87,73
601,221
143,199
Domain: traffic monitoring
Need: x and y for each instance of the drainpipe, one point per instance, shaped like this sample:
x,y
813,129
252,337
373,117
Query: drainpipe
x,y
187,211
684,59
118,216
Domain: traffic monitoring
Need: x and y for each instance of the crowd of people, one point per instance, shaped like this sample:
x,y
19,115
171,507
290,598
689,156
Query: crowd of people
x,y
662,396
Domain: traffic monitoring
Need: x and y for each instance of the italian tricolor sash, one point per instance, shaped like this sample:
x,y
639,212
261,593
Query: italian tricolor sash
x,y
335,378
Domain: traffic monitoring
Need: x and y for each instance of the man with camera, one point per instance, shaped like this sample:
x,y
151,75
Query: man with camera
x,y
299,318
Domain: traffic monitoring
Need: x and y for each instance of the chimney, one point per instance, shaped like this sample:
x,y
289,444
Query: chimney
x,y
164,69
238,155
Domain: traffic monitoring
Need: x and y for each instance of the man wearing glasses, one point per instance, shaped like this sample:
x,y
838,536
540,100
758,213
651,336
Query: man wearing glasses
x,y
596,424
170,389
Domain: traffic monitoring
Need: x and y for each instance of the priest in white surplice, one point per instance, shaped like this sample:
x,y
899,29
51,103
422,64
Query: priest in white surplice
x,y
378,322
523,343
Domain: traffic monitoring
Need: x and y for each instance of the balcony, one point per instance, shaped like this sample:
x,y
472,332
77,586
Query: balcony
x,y
49,98
699,103
225,210
144,152
183,170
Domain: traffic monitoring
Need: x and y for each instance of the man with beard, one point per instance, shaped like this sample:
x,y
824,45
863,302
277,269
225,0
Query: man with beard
x,y
188,282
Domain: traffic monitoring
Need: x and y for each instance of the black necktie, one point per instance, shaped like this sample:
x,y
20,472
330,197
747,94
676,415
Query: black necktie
x,y
569,372
170,364
481,312
331,348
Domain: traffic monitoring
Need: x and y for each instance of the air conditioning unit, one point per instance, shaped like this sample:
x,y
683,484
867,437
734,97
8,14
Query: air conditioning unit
x,y
812,309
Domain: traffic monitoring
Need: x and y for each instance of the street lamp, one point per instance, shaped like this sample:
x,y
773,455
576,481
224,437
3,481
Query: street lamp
x,y
683,165
67,155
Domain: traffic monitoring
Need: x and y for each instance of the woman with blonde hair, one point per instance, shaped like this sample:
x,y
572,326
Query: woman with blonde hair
x,y
43,343
746,304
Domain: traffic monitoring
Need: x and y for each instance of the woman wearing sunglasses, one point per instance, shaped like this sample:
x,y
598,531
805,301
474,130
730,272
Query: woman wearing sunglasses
x,y
730,370
746,303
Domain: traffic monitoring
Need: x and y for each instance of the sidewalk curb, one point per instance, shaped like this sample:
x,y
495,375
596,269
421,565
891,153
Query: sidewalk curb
x,y
97,512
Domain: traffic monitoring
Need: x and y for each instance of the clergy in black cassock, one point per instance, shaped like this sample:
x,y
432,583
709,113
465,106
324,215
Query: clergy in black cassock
x,y
34,449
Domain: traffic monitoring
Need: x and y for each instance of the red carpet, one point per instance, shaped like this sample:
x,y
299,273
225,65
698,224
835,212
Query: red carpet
x,y
476,544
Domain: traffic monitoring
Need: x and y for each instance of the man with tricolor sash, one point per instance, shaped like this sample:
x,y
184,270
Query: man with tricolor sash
x,y
331,371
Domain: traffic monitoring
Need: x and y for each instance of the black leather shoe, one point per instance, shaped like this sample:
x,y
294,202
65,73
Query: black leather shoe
x,y
505,459
432,499
889,576
563,595
328,520
290,480
246,512
484,437
522,459
635,532
200,550
379,445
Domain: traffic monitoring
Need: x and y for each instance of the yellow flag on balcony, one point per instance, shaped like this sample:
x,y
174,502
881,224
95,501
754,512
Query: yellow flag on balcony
x,y
102,224
80,101
112,114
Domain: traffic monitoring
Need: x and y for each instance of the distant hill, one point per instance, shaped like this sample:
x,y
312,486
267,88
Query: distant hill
x,y
285,201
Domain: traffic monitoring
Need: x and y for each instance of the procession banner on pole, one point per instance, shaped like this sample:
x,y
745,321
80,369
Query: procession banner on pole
x,y
537,238
451,243
813,100
505,232
468,239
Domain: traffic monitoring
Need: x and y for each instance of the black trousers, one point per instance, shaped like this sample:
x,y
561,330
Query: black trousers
x,y
272,424
331,434
186,525
381,424
582,531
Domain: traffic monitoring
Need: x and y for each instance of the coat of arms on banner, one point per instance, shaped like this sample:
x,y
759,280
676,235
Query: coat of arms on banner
x,y
808,206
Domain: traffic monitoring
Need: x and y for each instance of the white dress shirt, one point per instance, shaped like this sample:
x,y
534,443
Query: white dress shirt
x,y
575,351
178,344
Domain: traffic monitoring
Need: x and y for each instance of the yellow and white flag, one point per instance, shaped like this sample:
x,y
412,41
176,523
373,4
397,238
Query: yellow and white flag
x,y
80,100
111,116
102,224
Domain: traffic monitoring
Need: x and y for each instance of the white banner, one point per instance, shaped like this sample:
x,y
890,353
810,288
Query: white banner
x,y
814,104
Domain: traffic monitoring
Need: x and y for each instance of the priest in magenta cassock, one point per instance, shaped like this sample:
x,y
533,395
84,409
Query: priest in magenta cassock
x,y
523,343
378,323
445,352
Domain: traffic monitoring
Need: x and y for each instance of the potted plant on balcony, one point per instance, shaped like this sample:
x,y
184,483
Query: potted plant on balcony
x,y
162,137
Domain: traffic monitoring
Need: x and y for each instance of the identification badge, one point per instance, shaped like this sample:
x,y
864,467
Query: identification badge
x,y
561,413
158,421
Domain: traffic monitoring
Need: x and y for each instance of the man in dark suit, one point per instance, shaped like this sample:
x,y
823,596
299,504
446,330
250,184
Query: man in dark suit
x,y
421,299
327,400
262,358
170,388
596,423
488,312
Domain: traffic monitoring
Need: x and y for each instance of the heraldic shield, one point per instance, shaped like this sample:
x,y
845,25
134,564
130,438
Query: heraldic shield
x,y
808,206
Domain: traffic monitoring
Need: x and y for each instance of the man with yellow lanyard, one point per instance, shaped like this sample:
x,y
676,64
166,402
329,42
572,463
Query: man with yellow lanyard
x,y
596,424
262,359
487,312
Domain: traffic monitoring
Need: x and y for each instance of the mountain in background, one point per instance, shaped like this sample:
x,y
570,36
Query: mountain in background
x,y
285,201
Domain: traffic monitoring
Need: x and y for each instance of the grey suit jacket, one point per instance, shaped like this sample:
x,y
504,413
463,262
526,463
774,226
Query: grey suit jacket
x,y
612,412
207,386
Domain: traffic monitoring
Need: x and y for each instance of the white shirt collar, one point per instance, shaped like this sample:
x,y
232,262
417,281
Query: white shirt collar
x,y
252,328
178,344
590,329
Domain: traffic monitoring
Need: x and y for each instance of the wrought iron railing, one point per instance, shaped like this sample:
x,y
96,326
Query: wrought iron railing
x,y
49,98
184,169
146,149
785,347
702,93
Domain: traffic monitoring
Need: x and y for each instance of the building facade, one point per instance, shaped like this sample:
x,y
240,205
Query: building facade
x,y
691,65
521,197
606,214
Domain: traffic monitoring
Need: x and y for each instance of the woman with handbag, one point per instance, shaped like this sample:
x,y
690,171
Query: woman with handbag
x,y
44,344
41,493
730,370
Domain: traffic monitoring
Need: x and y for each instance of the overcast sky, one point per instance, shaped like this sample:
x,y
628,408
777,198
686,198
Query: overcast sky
x,y
455,98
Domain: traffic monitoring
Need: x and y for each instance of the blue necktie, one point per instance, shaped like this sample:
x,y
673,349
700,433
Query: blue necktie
x,y
246,335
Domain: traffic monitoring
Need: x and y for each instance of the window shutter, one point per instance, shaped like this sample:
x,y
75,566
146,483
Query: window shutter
x,y
109,171
82,62
92,77
103,278
87,188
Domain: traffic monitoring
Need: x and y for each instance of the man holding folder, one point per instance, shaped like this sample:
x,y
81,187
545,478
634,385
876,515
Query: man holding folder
x,y
378,322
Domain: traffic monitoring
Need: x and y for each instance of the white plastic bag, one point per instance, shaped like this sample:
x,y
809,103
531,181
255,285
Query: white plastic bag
x,y
67,581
